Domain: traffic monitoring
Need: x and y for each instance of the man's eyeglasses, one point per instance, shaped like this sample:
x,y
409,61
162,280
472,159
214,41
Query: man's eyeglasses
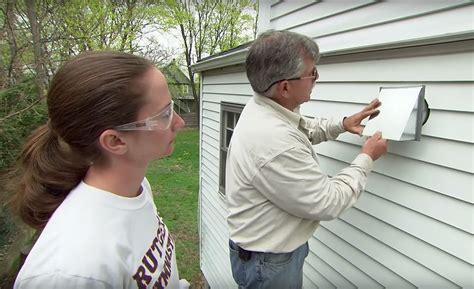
x,y
314,76
161,121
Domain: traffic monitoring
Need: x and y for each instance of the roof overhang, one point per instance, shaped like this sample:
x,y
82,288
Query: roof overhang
x,y
221,60
237,55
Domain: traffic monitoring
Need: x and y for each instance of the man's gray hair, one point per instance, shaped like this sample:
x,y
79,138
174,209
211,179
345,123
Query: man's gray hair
x,y
276,55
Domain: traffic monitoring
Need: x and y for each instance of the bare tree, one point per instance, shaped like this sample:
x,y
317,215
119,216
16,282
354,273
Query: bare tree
x,y
37,47
8,29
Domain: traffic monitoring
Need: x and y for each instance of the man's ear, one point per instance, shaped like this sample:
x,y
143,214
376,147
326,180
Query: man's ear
x,y
283,88
111,141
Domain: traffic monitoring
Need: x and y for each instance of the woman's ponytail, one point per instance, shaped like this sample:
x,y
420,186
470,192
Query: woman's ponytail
x,y
47,169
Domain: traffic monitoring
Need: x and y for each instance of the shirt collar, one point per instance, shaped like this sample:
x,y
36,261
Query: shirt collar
x,y
293,117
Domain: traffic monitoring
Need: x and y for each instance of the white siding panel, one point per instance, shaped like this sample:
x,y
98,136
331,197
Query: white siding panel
x,y
440,96
322,273
210,147
286,17
382,12
219,226
238,89
212,106
211,159
446,238
416,198
212,152
214,143
212,123
208,129
211,134
415,28
211,166
307,283
209,169
232,98
225,78
449,182
216,265
289,7
211,114
450,125
214,237
343,267
455,246
360,259
456,155
457,272
439,68
210,173
403,266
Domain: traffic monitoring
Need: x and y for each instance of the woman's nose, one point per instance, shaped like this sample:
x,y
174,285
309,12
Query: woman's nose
x,y
178,121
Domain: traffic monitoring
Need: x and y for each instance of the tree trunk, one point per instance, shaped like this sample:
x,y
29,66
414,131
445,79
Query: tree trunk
x,y
10,28
188,51
38,52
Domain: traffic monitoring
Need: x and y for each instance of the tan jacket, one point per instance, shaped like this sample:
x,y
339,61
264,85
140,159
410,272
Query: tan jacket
x,y
276,193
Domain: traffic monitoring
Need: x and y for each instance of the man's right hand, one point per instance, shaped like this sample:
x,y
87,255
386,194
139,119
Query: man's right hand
x,y
375,146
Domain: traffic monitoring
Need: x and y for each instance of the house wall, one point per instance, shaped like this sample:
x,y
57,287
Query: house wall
x,y
413,226
213,227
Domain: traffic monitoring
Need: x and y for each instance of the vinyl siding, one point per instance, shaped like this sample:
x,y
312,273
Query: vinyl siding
x,y
413,226
215,89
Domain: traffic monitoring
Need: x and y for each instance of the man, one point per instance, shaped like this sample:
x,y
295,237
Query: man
x,y
276,191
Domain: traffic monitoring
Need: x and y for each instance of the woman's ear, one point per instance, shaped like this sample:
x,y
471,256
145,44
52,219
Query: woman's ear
x,y
112,142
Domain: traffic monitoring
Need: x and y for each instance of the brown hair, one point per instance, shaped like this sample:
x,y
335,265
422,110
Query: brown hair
x,y
90,93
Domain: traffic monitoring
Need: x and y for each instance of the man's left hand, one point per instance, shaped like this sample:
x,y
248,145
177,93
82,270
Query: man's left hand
x,y
352,123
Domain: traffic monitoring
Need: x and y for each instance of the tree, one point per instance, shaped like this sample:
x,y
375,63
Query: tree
x,y
207,27
8,49
37,47
37,36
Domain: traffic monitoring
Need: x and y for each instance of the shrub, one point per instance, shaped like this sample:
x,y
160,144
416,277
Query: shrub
x,y
14,129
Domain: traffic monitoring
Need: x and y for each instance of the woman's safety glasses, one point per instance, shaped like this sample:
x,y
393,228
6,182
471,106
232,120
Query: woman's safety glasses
x,y
161,121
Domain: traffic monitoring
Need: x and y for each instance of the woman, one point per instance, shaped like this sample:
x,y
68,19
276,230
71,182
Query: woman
x,y
80,178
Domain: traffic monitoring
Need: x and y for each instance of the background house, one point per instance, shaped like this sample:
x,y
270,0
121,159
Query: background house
x,y
413,227
180,88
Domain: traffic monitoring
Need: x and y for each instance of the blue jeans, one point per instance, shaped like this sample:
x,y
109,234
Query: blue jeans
x,y
269,270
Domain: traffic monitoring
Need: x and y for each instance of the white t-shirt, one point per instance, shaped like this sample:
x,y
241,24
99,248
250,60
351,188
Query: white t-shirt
x,y
96,239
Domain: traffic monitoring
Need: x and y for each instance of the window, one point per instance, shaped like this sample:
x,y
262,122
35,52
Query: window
x,y
185,89
230,114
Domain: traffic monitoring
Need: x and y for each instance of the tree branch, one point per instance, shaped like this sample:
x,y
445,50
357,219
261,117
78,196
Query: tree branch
x,y
22,110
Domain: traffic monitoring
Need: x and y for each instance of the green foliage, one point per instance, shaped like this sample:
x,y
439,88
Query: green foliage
x,y
92,25
7,226
66,29
175,182
14,128
210,26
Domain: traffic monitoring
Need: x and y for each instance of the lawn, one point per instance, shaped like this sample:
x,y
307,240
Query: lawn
x,y
175,183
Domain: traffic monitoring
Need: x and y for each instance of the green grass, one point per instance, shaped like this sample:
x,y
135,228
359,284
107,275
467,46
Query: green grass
x,y
175,183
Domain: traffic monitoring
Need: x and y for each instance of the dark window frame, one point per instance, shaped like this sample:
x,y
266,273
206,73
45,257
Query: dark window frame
x,y
230,113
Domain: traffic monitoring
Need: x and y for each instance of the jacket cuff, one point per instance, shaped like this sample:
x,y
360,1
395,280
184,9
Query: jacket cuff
x,y
364,161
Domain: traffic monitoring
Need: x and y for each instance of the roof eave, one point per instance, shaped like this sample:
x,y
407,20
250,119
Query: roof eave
x,y
235,57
